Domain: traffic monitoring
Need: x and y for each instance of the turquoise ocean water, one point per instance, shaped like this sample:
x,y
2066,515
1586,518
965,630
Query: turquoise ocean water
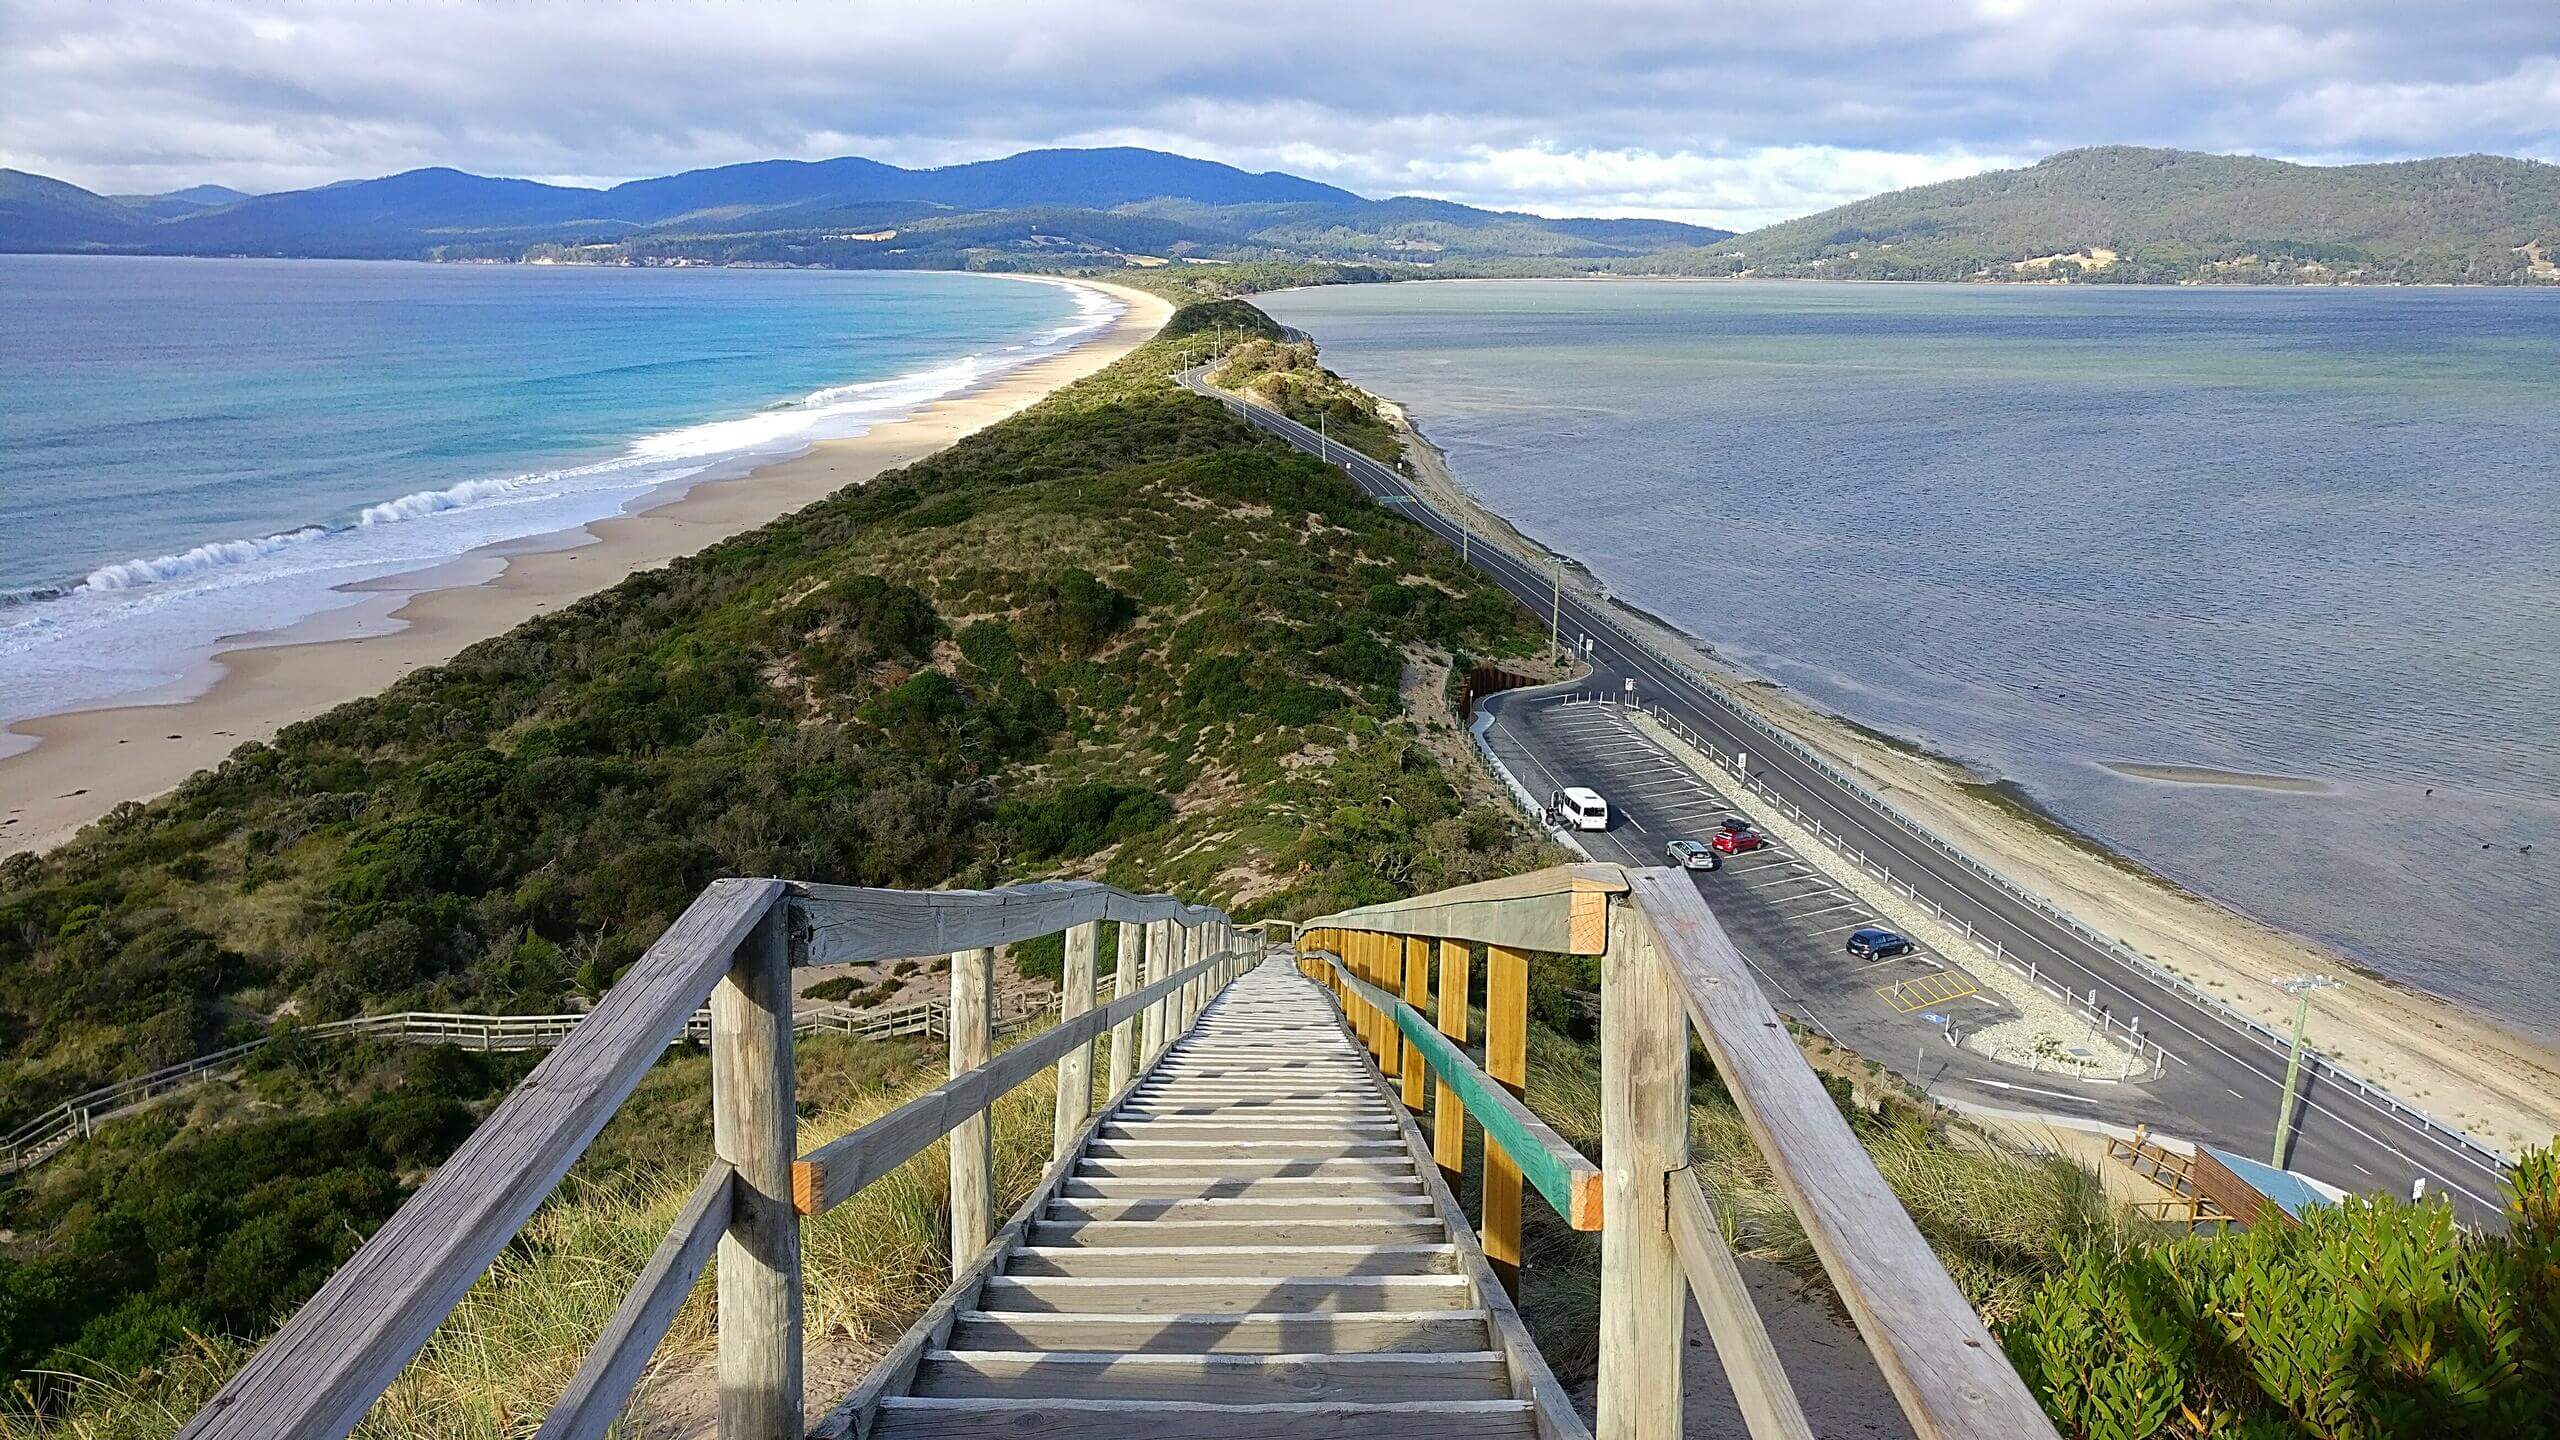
x,y
2301,532
196,449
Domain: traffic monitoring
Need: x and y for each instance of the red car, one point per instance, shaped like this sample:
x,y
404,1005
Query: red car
x,y
1737,838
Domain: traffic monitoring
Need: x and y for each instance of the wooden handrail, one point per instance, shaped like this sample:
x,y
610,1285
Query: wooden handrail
x,y
834,1172
320,1373
1668,970
1943,1365
850,924
1562,910
1559,1172
597,1393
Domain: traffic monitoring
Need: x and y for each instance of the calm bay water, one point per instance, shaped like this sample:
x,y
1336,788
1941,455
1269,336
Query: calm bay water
x,y
2310,533
194,449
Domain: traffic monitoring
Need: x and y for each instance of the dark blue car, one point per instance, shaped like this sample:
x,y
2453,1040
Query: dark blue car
x,y
1876,943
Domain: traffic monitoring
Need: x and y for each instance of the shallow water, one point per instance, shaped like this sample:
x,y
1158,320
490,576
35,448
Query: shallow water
x,y
194,449
2301,533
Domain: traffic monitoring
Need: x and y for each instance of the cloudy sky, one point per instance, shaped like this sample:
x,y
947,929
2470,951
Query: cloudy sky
x,y
1733,113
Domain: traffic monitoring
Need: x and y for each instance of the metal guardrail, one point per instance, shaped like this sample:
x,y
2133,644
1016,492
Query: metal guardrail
x,y
53,1130
2211,1005
2124,1033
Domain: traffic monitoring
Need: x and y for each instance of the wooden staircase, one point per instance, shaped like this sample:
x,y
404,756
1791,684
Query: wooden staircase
x,y
1250,1243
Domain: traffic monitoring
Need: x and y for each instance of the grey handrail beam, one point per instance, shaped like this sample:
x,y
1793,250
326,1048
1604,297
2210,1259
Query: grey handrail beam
x,y
602,1387
1562,910
851,924
320,1373
834,1172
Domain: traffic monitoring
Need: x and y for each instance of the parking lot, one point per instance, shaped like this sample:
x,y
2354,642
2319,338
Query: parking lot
x,y
1790,920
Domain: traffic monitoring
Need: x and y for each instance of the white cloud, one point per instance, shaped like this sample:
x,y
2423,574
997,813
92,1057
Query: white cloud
x,y
1732,114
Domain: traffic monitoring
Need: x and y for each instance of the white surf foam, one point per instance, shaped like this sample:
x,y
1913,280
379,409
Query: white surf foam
x,y
148,623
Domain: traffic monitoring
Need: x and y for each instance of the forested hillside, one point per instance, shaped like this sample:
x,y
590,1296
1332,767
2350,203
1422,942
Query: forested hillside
x,y
2128,215
1119,633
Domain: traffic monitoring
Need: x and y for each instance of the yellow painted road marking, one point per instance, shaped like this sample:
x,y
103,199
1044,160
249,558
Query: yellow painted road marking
x,y
1935,988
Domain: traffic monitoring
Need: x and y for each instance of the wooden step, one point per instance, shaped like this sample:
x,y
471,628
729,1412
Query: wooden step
x,y
1150,1209
926,1418
1373,1230
1295,1332
1199,1167
1266,1187
1203,1262
1215,1379
1269,1132
1321,1146
1214,1295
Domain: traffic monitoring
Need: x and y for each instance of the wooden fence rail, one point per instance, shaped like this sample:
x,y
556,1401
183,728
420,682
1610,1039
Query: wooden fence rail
x,y
50,1132
320,1373
1667,972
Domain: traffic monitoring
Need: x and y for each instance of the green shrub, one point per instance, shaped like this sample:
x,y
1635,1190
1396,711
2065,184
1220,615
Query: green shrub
x,y
2376,1318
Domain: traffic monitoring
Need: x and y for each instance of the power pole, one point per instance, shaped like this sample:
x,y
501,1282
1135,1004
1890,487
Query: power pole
x,y
2300,988
1555,610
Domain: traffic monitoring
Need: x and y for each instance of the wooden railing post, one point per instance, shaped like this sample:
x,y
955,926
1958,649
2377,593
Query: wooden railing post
x,y
1416,965
1506,1059
1448,1118
1195,948
1075,1073
1159,965
973,1037
1125,972
754,1127
1644,1136
1386,968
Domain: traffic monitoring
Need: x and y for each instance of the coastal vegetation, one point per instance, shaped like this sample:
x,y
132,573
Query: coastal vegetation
x,y
1286,376
1118,634
2126,215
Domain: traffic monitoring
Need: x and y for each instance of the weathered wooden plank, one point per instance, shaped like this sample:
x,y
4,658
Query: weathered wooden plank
x,y
1222,1379
931,1419
1943,1365
826,1176
1644,1130
1561,910
1075,1072
972,1151
602,1387
1297,1332
754,1128
1415,971
1221,1295
320,1373
1126,977
1506,1061
1751,1365
1130,1208
1166,1256
849,924
1569,1182
1380,1229
1448,1113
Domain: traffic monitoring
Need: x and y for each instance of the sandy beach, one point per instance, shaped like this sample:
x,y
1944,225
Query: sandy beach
x,y
86,762
2501,1086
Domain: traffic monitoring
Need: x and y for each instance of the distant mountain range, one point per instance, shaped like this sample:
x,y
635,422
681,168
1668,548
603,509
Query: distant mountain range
x,y
2120,213
2114,214
1043,207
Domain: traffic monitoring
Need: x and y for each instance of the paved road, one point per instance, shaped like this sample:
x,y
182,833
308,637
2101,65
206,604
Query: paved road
x,y
2222,1083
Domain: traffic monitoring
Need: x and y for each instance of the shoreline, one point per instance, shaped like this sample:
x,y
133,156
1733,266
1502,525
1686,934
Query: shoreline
x,y
2501,1085
85,762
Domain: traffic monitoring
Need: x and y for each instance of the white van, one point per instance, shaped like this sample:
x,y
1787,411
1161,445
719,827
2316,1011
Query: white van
x,y
1576,808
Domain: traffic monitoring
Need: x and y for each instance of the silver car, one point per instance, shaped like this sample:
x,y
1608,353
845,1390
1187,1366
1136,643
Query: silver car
x,y
1690,855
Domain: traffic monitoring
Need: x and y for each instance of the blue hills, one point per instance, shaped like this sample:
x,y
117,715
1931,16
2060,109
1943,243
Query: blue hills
x,y
1046,207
